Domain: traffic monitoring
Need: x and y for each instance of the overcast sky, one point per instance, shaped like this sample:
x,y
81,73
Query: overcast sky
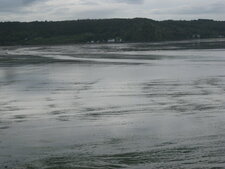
x,y
31,10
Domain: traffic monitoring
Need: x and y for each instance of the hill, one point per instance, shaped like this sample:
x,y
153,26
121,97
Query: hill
x,y
107,30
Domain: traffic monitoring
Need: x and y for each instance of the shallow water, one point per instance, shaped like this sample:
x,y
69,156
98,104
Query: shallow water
x,y
154,105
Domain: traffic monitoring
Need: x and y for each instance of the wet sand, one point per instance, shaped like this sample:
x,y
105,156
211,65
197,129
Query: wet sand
x,y
155,105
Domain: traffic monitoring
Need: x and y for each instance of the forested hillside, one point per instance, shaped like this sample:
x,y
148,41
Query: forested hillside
x,y
107,30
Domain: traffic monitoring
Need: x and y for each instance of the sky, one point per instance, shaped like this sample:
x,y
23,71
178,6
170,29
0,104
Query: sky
x,y
56,10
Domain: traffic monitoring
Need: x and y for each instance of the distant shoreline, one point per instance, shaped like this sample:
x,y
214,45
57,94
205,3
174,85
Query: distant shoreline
x,y
102,31
156,42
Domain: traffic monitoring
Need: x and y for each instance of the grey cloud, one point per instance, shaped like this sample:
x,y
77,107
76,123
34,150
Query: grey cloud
x,y
200,9
203,9
28,1
130,1
28,10
10,5
96,13
88,2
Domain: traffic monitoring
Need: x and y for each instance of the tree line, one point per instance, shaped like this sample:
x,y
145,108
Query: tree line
x,y
102,30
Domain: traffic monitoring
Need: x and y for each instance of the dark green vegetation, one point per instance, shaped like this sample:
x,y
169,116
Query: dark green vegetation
x,y
125,30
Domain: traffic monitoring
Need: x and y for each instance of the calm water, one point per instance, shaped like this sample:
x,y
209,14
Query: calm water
x,y
106,106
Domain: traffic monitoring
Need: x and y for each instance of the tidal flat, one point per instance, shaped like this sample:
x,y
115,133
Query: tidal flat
x,y
109,106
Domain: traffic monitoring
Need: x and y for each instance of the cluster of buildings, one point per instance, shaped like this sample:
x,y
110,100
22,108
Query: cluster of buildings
x,y
113,40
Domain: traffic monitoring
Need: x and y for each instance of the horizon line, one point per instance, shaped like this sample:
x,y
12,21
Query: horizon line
x,y
197,19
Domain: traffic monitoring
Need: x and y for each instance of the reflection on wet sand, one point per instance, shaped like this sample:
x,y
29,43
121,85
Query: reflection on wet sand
x,y
158,105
